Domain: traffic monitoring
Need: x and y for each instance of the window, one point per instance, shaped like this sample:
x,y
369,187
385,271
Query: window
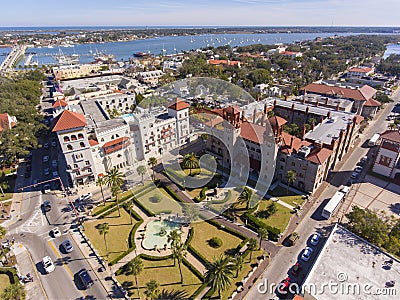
x,y
69,167
66,139
102,140
78,172
89,170
79,156
73,137
75,166
385,161
87,162
82,144
69,147
80,136
112,137
293,164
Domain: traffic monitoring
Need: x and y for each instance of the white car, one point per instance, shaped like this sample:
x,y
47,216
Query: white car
x,y
56,232
307,253
315,239
48,264
85,197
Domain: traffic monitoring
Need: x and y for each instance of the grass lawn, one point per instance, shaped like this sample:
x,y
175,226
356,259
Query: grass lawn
x,y
165,273
6,196
120,228
289,198
231,199
280,219
158,200
204,231
4,282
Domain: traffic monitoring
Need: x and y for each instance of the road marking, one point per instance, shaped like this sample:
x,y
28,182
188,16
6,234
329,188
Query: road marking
x,y
64,264
37,275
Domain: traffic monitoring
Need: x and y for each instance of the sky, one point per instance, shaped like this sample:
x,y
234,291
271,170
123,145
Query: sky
x,y
200,12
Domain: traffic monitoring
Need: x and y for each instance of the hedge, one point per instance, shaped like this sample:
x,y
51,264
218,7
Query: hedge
x,y
227,197
255,223
11,273
171,192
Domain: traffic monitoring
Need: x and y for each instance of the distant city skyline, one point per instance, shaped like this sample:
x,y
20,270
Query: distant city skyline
x,y
201,13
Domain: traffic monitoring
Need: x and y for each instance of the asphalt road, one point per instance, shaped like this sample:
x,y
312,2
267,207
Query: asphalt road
x,y
312,222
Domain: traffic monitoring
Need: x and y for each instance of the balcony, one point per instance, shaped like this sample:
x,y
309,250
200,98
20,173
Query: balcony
x,y
116,145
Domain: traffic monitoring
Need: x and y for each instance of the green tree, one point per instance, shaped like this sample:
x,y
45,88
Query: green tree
x,y
219,274
103,229
115,179
252,246
134,267
174,237
100,182
179,253
291,178
152,162
13,292
190,161
141,170
172,295
3,232
191,211
245,197
152,289
262,234
237,263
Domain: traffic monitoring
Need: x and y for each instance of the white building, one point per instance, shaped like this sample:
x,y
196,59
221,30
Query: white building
x,y
387,159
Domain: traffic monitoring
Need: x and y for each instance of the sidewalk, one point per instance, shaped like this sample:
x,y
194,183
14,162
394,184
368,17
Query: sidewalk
x,y
34,290
106,279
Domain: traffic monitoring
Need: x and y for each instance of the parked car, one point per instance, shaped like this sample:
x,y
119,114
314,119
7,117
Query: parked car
x,y
307,254
85,197
46,206
315,239
45,158
364,158
293,238
296,268
54,163
284,285
85,278
56,232
53,143
48,264
354,175
67,246
55,174
46,171
46,188
46,145
358,169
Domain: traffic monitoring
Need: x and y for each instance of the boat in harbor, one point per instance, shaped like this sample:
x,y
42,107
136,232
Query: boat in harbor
x,y
100,57
141,54
63,59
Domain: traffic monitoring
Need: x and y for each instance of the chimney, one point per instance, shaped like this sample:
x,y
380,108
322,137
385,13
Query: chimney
x,y
307,110
317,103
337,106
326,100
274,103
333,143
312,125
291,142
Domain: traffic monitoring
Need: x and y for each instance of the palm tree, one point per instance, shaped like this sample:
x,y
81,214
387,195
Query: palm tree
x,y
245,197
100,182
219,274
237,263
262,233
174,237
152,162
13,292
179,253
152,290
103,229
3,232
141,170
114,179
190,161
291,178
173,295
252,246
135,267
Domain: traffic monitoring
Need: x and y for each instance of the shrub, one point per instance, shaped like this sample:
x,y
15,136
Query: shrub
x,y
156,199
215,242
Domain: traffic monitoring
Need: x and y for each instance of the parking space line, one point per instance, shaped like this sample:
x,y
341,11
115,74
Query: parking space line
x,y
52,246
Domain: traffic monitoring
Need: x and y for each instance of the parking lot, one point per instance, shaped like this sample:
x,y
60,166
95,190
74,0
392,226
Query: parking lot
x,y
375,194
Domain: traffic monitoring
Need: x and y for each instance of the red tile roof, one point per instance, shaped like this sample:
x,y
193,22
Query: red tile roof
x,y
252,132
372,102
232,110
223,62
60,103
5,122
359,119
276,122
296,143
115,142
391,135
319,156
363,94
93,143
360,69
68,120
115,145
178,104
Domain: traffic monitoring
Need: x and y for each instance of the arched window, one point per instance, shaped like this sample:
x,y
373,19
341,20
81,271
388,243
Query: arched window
x,y
73,137
116,136
82,144
69,147
80,136
66,138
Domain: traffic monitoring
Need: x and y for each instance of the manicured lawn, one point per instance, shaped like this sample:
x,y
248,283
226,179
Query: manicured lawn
x,y
292,200
165,273
119,229
4,282
288,197
6,196
204,231
220,206
280,219
158,200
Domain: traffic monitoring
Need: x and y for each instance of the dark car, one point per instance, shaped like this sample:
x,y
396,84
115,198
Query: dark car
x,y
27,174
46,206
296,269
85,278
67,246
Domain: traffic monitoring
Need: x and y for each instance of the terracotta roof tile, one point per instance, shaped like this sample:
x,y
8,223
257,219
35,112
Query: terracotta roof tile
x,y
232,110
363,94
391,135
359,119
60,103
296,143
93,143
276,122
360,69
179,104
252,132
319,156
372,102
68,120
115,142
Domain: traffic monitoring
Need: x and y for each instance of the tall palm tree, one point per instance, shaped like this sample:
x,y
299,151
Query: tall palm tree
x,y
252,246
219,274
152,290
179,253
291,178
237,263
190,161
262,234
103,229
174,237
13,292
141,170
245,197
135,267
173,295
152,162
100,182
115,179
